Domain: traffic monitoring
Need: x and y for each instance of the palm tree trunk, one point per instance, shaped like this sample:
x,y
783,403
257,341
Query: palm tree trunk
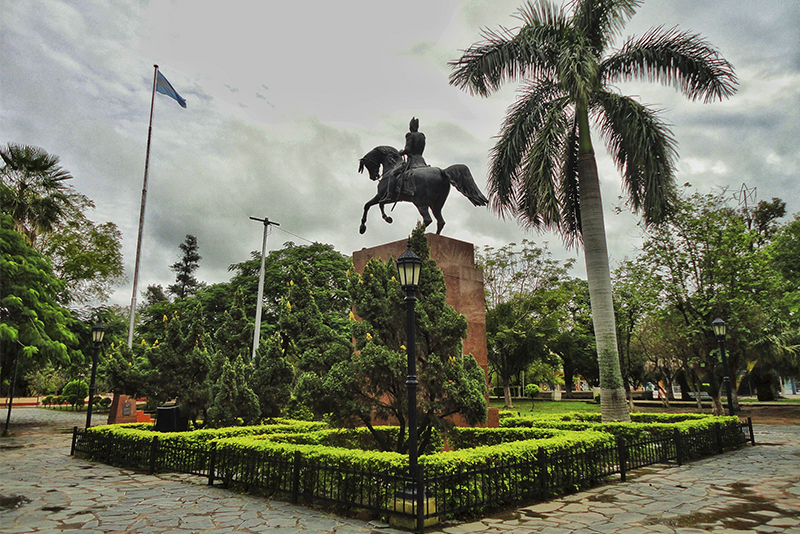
x,y
613,403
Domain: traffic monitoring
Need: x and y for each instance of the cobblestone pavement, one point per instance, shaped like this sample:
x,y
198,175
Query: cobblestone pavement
x,y
43,489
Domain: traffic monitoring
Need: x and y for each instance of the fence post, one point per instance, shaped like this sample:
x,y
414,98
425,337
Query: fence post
x,y
622,452
296,478
212,460
543,476
153,453
718,433
750,427
74,439
420,498
678,446
109,443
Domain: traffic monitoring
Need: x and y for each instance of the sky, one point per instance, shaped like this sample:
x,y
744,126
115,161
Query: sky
x,y
283,98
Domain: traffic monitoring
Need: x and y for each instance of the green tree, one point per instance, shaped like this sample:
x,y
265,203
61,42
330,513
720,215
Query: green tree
x,y
543,169
575,343
309,344
51,215
75,393
633,300
235,336
371,384
35,328
186,284
325,268
525,306
87,257
176,366
34,191
271,378
45,380
232,398
705,263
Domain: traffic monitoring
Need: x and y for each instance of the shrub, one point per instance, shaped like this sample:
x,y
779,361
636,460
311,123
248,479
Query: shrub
x,y
75,392
532,391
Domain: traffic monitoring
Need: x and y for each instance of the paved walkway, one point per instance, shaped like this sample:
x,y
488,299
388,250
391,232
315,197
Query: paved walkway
x,y
42,489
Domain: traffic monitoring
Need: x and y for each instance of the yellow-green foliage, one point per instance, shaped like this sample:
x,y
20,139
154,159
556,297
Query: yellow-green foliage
x,y
522,471
643,425
146,432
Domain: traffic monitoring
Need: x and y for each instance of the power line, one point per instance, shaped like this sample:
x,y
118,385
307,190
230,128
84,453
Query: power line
x,y
297,236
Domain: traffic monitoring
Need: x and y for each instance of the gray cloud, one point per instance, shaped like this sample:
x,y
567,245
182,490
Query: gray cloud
x,y
341,79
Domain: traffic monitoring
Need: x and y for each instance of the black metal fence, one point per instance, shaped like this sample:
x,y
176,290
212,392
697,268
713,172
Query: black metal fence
x,y
464,492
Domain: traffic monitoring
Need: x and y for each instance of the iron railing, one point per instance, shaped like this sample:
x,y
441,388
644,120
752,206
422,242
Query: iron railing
x,y
465,492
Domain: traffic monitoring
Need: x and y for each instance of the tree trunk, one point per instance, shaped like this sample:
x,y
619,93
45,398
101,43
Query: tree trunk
x,y
612,392
507,395
717,403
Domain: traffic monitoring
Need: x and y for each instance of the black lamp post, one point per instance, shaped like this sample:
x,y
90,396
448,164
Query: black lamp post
x,y
720,329
409,267
97,338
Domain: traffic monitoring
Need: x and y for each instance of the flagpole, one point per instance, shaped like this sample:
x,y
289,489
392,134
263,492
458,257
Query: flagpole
x,y
141,215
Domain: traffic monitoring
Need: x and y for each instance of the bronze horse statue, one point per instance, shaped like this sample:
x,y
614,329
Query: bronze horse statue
x,y
430,186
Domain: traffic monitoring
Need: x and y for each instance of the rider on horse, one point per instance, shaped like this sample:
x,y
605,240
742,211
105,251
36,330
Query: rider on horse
x,y
399,178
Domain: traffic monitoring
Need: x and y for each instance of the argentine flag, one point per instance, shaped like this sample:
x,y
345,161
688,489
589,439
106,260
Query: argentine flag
x,y
165,88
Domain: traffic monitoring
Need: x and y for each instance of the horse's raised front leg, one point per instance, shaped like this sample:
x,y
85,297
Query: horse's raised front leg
x,y
383,213
375,200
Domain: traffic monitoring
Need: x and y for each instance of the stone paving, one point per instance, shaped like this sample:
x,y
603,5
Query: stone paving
x,y
43,489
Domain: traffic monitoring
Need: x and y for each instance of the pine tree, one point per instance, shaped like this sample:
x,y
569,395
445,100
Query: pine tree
x,y
185,283
235,336
271,378
232,398
372,382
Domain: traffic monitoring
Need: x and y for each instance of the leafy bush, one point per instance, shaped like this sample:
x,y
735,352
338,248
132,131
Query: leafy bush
x,y
75,392
532,391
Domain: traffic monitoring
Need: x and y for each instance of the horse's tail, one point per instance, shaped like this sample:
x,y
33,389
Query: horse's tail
x,y
462,180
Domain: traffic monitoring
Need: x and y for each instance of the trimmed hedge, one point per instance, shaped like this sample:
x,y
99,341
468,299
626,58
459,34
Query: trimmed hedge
x,y
491,472
643,425
146,432
527,458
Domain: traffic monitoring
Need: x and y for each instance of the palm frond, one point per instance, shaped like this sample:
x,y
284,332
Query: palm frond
x,y
644,150
578,70
670,57
600,21
570,190
525,117
539,204
504,55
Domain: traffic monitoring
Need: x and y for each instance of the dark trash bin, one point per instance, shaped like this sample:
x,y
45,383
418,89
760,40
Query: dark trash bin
x,y
169,419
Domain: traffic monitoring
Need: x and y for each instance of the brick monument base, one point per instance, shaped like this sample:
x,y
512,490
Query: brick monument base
x,y
123,410
464,284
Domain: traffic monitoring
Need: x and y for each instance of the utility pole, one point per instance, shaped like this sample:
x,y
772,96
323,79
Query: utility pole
x,y
260,301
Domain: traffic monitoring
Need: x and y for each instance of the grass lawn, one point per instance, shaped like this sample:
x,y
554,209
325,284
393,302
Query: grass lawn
x,y
546,407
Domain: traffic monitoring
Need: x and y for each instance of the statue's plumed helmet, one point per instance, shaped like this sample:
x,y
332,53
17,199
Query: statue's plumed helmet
x,y
414,124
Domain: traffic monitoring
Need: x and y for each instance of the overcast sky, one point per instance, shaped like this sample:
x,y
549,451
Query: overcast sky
x,y
284,97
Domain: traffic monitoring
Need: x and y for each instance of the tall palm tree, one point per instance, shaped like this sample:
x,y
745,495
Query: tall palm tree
x,y
33,190
543,169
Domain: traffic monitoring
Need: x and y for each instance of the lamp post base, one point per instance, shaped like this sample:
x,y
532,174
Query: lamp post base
x,y
405,516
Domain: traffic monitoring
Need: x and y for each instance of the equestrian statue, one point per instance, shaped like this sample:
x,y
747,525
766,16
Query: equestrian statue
x,y
413,180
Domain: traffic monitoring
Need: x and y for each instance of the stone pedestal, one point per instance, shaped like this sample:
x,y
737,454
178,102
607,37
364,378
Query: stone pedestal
x,y
123,410
464,283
